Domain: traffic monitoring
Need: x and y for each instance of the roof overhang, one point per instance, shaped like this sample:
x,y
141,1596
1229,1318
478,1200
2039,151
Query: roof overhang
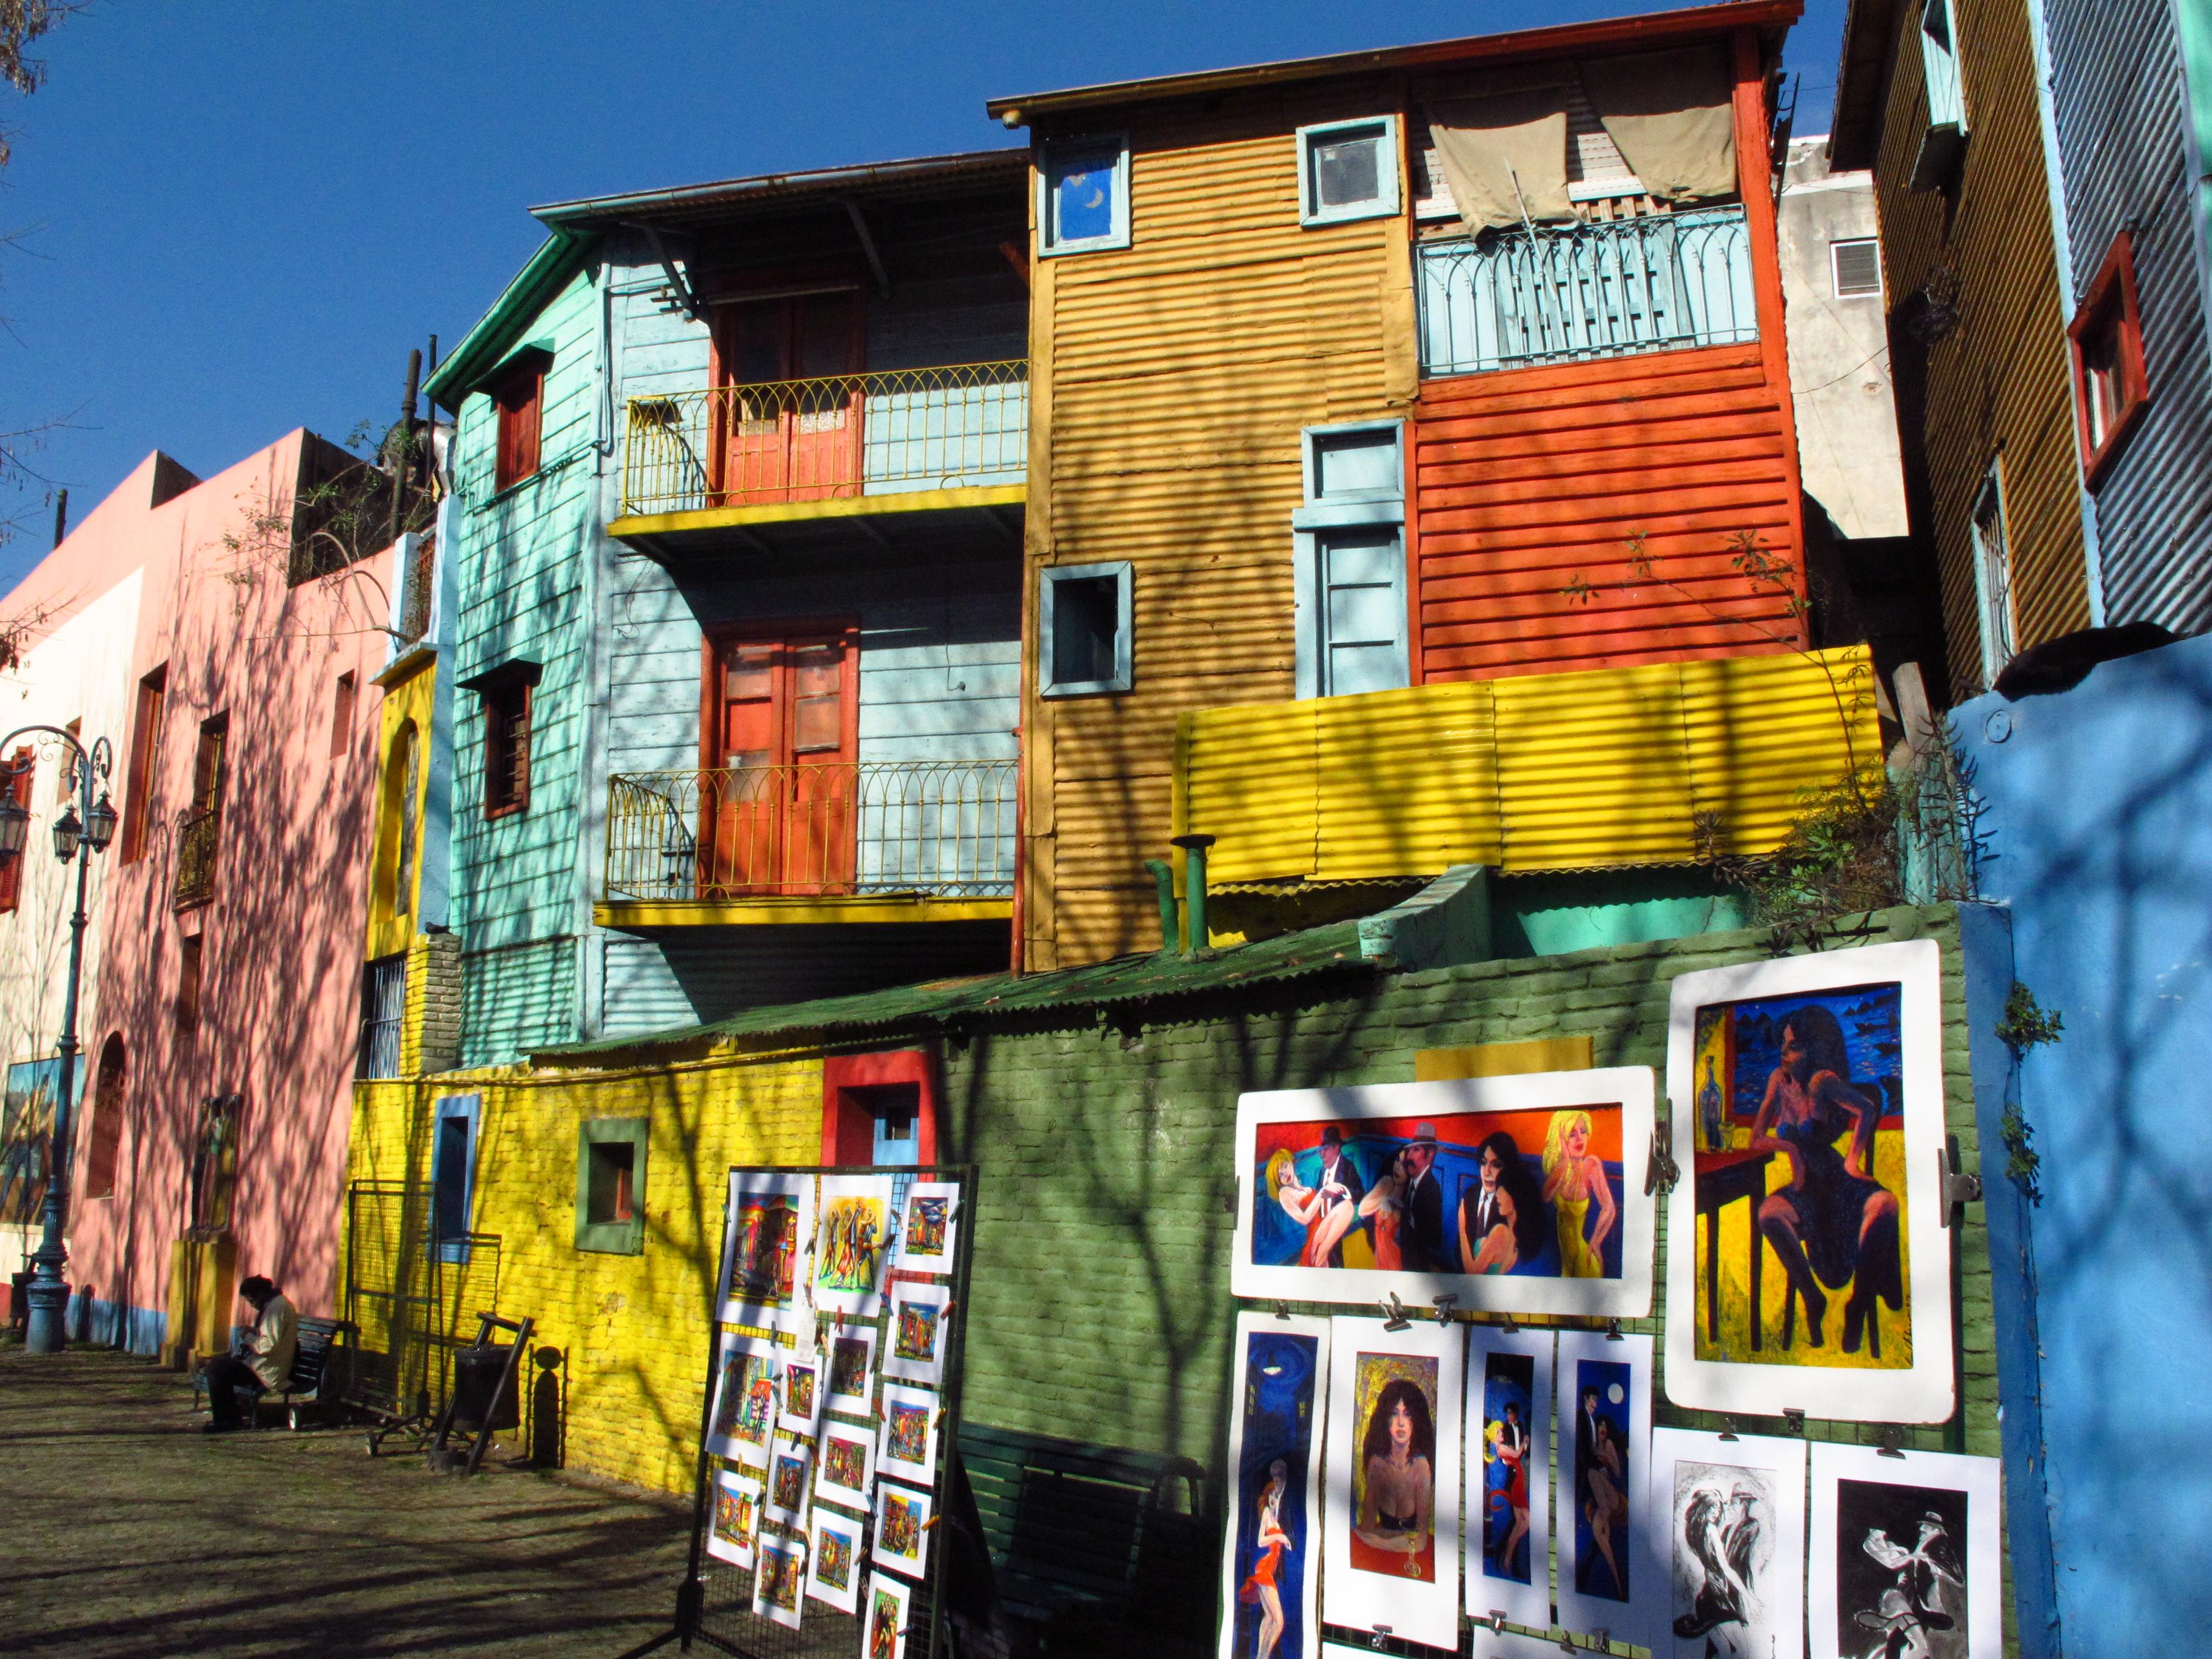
x,y
826,186
486,346
1862,82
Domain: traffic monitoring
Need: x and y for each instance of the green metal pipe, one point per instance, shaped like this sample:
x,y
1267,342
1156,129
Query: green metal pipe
x,y
1196,941
1163,878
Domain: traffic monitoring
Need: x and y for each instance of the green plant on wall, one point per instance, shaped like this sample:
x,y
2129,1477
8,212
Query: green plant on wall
x,y
2025,1024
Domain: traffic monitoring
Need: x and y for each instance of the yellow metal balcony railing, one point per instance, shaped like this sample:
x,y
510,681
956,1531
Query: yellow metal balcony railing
x,y
1587,770
925,829
197,834
843,435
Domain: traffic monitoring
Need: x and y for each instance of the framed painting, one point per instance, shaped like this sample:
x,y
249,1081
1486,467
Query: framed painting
x,y
1725,1541
1390,1518
920,1314
844,1464
833,1571
1270,1574
1808,1129
850,1381
1509,1477
799,1396
790,1462
745,1399
779,1579
736,1519
1905,1555
1601,1413
884,1620
902,1521
928,1222
1510,1195
852,1231
765,1230
908,1447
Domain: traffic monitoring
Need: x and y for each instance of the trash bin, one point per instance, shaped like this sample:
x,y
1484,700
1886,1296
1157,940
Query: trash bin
x,y
476,1373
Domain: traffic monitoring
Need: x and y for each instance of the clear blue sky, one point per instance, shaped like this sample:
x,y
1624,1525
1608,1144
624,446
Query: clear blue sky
x,y
239,218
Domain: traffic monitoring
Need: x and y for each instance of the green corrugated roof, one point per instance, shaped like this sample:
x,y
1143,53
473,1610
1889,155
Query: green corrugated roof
x,y
1125,980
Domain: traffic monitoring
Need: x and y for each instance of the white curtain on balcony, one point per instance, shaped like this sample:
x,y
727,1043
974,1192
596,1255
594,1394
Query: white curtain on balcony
x,y
1503,147
1671,115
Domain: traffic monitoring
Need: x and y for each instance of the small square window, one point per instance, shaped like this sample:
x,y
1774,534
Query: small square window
x,y
611,1185
1348,170
1084,189
1856,265
1354,463
2112,382
1084,627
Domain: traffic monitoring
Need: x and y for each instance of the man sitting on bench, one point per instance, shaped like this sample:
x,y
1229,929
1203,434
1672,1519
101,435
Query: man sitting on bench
x,y
266,1363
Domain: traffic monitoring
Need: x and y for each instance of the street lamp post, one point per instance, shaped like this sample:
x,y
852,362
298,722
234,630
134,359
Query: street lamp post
x,y
75,838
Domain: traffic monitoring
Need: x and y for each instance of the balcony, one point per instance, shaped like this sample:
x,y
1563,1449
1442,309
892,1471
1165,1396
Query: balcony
x,y
1569,294
929,841
197,835
841,446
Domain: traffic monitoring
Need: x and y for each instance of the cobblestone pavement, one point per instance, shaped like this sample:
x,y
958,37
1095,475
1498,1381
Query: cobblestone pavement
x,y
125,1531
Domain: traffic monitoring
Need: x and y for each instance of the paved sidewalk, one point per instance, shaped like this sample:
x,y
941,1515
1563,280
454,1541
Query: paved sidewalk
x,y
125,1531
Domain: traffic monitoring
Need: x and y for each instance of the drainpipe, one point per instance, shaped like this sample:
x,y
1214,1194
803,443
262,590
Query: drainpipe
x,y
1195,944
1164,879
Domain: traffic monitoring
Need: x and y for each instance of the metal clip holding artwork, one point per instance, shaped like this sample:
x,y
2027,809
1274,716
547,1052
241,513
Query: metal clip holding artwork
x,y
1793,1419
1660,1172
1393,1314
1961,1186
1282,1309
1496,1621
1444,1309
1892,1441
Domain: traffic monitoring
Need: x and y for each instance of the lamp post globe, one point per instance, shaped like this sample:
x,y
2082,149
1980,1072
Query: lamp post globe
x,y
69,831
15,824
100,823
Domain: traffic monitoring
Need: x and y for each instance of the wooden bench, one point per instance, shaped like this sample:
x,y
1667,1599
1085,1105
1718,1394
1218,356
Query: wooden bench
x,y
313,1383
1089,1531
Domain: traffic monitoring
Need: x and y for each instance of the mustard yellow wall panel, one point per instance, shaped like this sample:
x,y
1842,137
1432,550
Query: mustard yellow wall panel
x,y
1255,768
410,700
1443,788
1761,730
1591,769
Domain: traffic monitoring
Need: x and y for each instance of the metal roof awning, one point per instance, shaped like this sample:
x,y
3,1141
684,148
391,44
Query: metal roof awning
x,y
724,198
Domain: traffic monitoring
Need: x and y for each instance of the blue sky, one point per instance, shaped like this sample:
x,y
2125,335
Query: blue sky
x,y
230,229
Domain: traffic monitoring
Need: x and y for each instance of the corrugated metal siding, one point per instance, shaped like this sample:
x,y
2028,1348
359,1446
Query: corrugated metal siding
x,y
2117,102
1531,773
516,1000
1532,480
1999,381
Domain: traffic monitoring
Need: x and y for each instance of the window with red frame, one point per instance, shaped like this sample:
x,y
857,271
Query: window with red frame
x,y
2111,386
520,395
16,785
507,694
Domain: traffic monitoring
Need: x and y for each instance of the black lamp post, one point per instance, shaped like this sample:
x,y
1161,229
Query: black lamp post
x,y
49,1294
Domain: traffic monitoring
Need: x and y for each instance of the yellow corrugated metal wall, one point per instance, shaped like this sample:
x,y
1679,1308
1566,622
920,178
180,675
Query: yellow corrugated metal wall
x,y
1527,773
1999,382
1174,379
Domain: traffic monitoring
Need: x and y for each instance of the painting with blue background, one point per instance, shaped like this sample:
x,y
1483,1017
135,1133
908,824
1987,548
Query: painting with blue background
x,y
1595,1574
1866,1014
1508,1380
1280,1368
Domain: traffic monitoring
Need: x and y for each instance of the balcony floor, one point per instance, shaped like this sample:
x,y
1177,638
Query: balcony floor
x,y
783,909
914,519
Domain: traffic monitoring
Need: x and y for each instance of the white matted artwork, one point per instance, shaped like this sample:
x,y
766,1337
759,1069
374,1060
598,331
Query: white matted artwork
x,y
1488,1644
1510,1194
884,1618
850,1380
790,1462
780,1580
1390,1524
902,1518
1508,1475
1905,1555
766,1230
920,1316
929,1223
736,1517
1726,1542
1602,1418
844,1463
908,1447
1810,1266
833,1567
745,1399
1270,1567
853,1230
798,1392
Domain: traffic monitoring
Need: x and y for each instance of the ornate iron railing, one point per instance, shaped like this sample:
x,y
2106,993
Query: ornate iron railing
x,y
197,835
1506,300
934,829
884,433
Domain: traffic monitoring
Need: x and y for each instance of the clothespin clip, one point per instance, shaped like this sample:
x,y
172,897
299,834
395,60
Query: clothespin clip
x,y
1613,1332
1959,1185
1660,1172
1282,1309
1892,1441
1394,1313
1444,1308
1728,1428
1793,1418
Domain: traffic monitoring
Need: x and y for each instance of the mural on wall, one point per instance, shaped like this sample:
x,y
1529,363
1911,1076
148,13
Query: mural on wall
x,y
1508,1536
833,1574
744,1399
1391,1518
1808,1129
1269,1565
765,1228
736,1518
1905,1555
1725,1542
27,1132
1603,1404
851,1232
1510,1194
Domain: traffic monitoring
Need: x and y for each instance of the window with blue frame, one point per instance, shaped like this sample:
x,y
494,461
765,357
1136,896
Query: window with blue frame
x,y
1349,547
1085,186
453,1174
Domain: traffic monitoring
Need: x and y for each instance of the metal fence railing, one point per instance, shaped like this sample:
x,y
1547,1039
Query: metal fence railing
x,y
883,432
198,834
1508,299
939,829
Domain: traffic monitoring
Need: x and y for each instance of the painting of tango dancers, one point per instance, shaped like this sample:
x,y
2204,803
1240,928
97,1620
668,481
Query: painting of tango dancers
x,y
1603,1404
1727,1538
1905,1556
1272,1566
1509,1539
852,1231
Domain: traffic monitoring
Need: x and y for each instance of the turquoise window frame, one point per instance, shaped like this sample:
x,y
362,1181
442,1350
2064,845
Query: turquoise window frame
x,y
611,1238
1122,574
1369,511
1385,203
1103,147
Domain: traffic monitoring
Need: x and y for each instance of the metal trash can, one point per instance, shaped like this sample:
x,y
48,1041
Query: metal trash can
x,y
476,1373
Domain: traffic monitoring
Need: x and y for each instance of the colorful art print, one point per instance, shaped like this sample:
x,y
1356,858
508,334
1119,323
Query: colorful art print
x,y
851,1231
1391,1514
766,1226
929,1225
736,1519
920,1316
1485,1643
781,1579
1508,1537
802,1393
1512,1194
744,1399
908,1446
834,1566
903,1518
1270,1574
850,1379
1724,1542
1808,1136
27,1124
843,1471
790,1462
1602,1415
1905,1556
882,1632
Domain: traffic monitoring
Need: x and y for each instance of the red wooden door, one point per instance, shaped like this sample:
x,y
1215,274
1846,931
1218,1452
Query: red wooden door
x,y
790,431
781,818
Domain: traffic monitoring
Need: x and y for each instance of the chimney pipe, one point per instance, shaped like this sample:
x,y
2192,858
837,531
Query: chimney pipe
x,y
61,516
1195,945
1163,878
404,462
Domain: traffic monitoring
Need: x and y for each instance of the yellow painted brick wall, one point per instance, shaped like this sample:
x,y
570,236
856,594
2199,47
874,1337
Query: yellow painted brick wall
x,y
633,1329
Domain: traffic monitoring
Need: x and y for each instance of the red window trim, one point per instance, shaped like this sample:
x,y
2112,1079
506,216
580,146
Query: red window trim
x,y
20,785
2114,286
716,638
849,1129
519,675
518,395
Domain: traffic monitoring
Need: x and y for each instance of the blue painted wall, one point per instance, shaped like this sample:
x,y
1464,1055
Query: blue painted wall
x,y
2099,840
